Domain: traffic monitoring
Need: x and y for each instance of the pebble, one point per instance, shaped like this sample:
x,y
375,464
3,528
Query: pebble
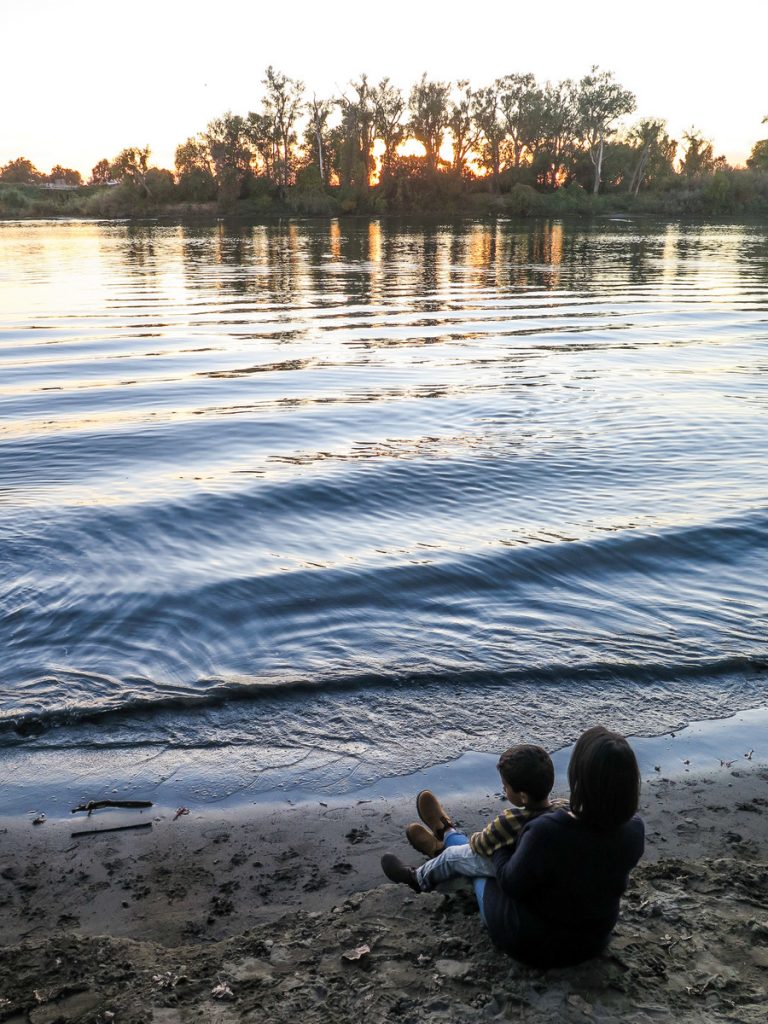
x,y
456,969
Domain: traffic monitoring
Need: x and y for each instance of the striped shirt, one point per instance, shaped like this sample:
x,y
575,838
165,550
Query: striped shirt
x,y
505,829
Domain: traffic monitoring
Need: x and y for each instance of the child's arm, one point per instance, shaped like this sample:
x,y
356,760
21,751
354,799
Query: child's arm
x,y
502,831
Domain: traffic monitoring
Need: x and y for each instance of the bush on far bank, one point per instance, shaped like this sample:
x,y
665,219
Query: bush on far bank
x,y
408,190
12,201
29,201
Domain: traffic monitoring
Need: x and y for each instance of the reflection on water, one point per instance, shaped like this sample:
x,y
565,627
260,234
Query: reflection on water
x,y
512,475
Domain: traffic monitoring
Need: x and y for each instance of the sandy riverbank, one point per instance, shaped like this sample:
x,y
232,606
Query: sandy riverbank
x,y
263,903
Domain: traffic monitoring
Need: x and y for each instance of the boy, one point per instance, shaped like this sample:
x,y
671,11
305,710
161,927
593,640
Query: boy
x,y
527,776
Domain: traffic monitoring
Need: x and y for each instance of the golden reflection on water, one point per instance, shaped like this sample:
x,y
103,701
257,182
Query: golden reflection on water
x,y
478,248
525,259
552,243
334,238
374,242
376,272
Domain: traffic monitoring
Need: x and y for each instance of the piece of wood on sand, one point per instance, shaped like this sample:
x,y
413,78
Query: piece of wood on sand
x,y
115,828
95,805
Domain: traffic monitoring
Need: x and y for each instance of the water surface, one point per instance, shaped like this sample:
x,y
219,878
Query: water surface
x,y
356,497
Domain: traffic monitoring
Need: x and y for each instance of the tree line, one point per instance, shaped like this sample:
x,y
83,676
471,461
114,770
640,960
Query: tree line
x,y
513,133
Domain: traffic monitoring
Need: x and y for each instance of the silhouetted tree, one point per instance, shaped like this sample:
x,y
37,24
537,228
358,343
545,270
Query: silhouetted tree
x,y
281,107
193,155
65,174
259,133
601,101
194,170
20,172
131,164
352,139
428,106
227,141
317,134
556,118
462,124
520,103
388,111
100,173
358,117
655,152
698,159
758,158
160,184
491,128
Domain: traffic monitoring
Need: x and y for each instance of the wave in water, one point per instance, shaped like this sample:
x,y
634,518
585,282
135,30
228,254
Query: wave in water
x,y
373,492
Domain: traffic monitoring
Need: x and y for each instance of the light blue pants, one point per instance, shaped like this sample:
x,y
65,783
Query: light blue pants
x,y
457,861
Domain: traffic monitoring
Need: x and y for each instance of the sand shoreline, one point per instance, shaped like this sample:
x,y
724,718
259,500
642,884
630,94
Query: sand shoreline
x,y
51,780
264,901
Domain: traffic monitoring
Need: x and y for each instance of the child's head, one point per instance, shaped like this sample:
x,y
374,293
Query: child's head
x,y
604,778
527,774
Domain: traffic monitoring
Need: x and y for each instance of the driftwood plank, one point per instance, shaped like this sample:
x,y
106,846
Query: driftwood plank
x,y
94,805
115,828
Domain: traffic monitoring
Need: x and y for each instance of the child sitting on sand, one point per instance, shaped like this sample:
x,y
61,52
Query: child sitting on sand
x,y
527,776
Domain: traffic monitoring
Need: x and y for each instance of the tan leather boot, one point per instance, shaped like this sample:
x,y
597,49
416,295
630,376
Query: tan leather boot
x,y
421,839
432,813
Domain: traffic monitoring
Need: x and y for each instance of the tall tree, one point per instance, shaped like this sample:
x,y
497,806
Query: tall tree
x,y
193,155
194,170
698,159
259,132
352,139
758,158
317,132
20,172
428,106
553,132
520,101
228,144
131,164
492,129
281,106
462,124
388,110
358,117
601,102
65,174
100,173
655,152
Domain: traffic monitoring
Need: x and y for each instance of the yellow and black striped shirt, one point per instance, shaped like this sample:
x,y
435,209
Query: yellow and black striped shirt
x,y
505,829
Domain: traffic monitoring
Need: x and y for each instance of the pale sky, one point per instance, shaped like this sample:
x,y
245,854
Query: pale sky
x,y
81,80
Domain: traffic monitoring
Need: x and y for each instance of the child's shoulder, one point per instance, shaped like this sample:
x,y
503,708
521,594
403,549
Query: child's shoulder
x,y
558,804
527,815
518,814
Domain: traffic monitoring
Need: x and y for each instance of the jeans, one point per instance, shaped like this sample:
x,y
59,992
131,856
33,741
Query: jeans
x,y
457,860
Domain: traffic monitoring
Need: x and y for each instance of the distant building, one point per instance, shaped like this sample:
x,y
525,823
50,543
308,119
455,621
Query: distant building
x,y
59,184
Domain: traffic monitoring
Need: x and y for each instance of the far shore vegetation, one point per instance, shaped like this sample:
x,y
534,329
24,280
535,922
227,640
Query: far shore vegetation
x,y
515,147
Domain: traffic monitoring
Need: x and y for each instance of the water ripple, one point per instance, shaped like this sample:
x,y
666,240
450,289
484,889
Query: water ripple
x,y
318,480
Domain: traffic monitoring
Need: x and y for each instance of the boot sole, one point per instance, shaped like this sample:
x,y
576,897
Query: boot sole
x,y
443,825
433,852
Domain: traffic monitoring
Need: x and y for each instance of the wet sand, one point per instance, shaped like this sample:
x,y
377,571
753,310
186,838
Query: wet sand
x,y
246,914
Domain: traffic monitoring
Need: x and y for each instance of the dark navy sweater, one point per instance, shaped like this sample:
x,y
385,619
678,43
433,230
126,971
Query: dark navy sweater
x,y
555,899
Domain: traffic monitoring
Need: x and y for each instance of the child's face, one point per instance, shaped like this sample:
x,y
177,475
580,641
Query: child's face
x,y
514,796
